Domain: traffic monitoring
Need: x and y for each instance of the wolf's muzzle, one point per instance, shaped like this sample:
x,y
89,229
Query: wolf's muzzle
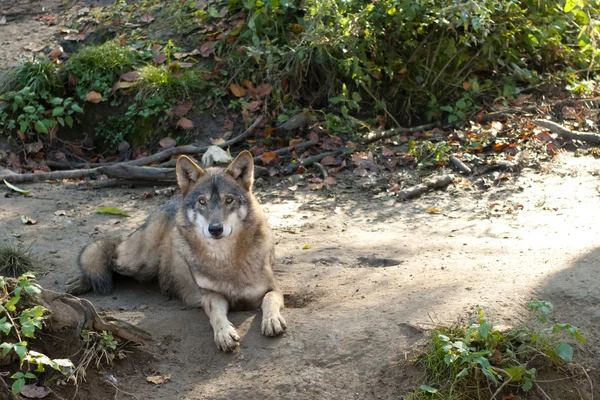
x,y
215,229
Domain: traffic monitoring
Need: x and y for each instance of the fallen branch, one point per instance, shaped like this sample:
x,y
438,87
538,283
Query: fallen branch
x,y
322,169
118,170
438,182
193,149
566,133
307,162
461,166
118,183
375,136
286,150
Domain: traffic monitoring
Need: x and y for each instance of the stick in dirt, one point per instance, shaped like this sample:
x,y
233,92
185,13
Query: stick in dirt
x,y
567,133
461,166
307,162
438,182
118,168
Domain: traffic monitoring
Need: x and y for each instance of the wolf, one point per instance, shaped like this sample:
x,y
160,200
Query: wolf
x,y
212,249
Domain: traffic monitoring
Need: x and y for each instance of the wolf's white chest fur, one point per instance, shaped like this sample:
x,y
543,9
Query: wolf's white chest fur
x,y
231,290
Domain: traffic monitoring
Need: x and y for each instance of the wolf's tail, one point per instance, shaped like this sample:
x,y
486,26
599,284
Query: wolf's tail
x,y
95,262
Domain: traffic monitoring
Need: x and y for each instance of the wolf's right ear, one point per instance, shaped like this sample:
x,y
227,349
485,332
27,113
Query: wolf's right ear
x,y
188,172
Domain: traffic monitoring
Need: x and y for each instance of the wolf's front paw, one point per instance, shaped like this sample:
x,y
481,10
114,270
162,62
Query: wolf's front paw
x,y
78,285
273,324
226,338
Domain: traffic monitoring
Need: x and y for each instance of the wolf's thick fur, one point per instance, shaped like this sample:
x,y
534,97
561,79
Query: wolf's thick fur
x,y
212,248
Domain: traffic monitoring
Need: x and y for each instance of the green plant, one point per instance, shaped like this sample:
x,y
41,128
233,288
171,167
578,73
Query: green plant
x,y
479,359
39,74
429,154
170,83
98,348
97,68
20,320
15,259
38,112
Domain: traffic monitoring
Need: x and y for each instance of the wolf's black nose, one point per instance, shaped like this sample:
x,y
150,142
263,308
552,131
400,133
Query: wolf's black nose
x,y
216,228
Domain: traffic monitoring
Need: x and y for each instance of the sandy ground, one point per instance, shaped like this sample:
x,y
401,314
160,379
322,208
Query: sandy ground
x,y
376,271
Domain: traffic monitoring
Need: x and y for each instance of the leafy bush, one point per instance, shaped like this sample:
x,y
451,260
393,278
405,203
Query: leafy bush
x,y
410,57
18,322
463,362
32,112
97,68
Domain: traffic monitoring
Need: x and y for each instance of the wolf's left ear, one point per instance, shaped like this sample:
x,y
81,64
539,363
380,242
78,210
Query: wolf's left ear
x,y
188,172
242,169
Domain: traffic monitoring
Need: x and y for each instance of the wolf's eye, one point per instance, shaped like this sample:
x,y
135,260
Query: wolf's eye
x,y
202,201
228,200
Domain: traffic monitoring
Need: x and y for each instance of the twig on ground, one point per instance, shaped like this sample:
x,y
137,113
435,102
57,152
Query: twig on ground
x,y
461,166
122,391
506,381
438,182
286,150
322,169
375,136
118,183
307,162
566,133
538,387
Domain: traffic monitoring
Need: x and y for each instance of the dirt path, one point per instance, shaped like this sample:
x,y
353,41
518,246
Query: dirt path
x,y
375,270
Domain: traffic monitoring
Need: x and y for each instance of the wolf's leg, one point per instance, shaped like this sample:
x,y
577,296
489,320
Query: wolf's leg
x,y
215,305
95,265
273,323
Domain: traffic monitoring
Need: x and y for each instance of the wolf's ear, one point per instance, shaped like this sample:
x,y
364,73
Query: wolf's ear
x,y
242,169
188,172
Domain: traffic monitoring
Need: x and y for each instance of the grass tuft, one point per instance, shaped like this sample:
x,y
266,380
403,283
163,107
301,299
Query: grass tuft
x,y
16,259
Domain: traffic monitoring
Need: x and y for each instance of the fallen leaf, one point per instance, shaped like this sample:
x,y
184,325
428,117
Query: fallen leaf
x,y
330,180
93,97
158,379
57,52
329,160
387,152
508,397
181,109
27,221
2,20
112,211
179,56
252,106
206,49
466,85
185,123
201,4
167,143
360,171
215,155
159,58
264,89
156,47
306,247
316,186
227,125
237,90
131,76
124,85
268,158
34,392
434,210
75,37
147,18
34,147
217,141
16,189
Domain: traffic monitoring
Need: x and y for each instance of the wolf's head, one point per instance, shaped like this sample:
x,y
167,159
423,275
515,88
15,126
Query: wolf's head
x,y
216,201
